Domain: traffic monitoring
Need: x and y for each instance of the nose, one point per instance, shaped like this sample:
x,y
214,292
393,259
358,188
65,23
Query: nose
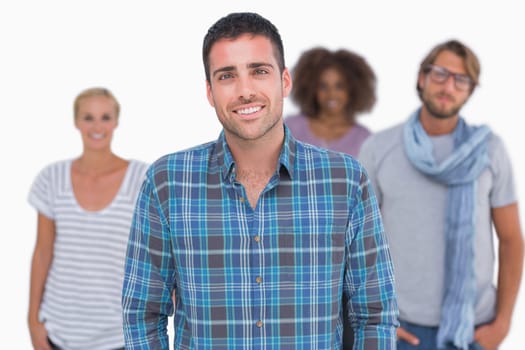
x,y
450,83
245,88
98,125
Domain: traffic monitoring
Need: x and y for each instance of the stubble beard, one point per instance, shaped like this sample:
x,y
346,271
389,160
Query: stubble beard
x,y
239,131
441,113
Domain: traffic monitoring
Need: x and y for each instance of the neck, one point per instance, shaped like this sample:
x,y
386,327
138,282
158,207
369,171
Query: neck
x,y
437,126
256,161
260,156
98,162
330,126
337,119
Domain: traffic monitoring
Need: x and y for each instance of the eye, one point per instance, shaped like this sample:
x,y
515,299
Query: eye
x,y
88,118
463,79
225,76
340,86
260,71
441,73
106,117
323,87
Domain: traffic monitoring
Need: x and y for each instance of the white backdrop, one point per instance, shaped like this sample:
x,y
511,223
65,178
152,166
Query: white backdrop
x,y
149,55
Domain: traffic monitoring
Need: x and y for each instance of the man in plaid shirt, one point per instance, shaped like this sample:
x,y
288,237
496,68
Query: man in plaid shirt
x,y
260,235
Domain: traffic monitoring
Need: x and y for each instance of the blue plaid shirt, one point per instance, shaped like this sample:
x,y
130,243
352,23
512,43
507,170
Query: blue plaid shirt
x,y
272,277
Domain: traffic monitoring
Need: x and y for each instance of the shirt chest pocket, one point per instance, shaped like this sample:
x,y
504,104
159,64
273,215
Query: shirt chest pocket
x,y
300,254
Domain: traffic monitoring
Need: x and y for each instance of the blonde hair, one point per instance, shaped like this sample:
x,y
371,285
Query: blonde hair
x,y
95,91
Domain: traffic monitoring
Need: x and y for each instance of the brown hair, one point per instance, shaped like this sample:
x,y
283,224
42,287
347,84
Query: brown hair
x,y
359,77
470,59
95,91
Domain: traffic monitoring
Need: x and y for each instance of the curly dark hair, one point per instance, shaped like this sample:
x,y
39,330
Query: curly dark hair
x,y
358,75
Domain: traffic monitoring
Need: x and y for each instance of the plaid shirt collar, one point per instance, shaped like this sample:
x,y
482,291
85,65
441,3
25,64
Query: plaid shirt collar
x,y
226,162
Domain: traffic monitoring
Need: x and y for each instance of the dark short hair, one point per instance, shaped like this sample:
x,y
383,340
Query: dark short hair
x,y
236,24
358,76
472,65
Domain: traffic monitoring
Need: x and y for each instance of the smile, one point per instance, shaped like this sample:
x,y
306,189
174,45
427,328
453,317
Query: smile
x,y
250,110
96,136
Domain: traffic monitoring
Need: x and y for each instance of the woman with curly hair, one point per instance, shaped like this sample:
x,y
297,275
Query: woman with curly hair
x,y
331,88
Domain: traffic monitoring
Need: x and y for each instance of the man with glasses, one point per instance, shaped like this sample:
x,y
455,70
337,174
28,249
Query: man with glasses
x,y
442,185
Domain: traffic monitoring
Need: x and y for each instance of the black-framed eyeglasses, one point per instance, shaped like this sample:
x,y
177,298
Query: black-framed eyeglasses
x,y
440,75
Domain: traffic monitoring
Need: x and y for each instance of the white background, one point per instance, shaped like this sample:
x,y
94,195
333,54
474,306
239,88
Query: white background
x,y
149,54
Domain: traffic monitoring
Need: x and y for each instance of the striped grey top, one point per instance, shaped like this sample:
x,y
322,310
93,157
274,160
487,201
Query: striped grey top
x,y
81,304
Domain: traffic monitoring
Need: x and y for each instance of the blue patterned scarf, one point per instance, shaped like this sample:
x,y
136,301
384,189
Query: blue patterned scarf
x,y
459,172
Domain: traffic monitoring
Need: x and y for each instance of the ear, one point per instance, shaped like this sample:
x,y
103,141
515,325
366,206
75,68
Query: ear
x,y
287,82
421,80
209,94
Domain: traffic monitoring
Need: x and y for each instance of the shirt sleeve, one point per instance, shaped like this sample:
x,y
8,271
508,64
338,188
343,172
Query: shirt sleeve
x,y
503,191
367,159
372,299
40,194
146,292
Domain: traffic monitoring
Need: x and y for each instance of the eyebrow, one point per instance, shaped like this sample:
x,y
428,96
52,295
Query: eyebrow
x,y
448,70
251,66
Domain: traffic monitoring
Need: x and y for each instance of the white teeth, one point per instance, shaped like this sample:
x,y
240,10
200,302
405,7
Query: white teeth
x,y
96,136
249,110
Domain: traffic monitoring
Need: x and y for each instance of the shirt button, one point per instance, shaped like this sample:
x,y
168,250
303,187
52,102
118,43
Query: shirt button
x,y
257,238
258,279
241,199
259,324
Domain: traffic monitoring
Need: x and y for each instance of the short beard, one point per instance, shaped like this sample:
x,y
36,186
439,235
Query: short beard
x,y
438,113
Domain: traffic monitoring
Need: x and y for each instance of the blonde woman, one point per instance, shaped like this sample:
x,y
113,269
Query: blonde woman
x,y
84,208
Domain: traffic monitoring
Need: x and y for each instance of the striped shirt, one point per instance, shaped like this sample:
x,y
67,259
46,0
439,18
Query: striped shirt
x,y
265,278
81,305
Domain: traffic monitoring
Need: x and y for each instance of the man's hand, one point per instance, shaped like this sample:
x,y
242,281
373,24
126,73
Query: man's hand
x,y
407,336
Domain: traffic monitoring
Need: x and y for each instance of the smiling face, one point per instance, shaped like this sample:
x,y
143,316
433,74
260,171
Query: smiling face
x,y
96,119
444,100
332,93
246,87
